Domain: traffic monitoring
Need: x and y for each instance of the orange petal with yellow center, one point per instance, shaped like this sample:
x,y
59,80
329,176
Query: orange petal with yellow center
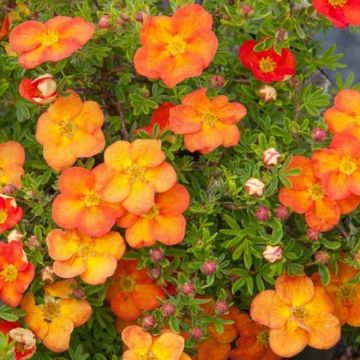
x,y
168,346
147,153
77,30
124,307
84,144
90,118
139,234
26,36
354,182
174,201
47,131
157,30
111,243
59,155
9,295
268,309
346,144
338,121
336,185
198,100
98,268
65,108
348,204
289,340
325,161
33,58
295,290
70,268
62,245
207,137
162,177
61,289
168,230
77,311
348,101
76,181
184,120
66,211
117,155
299,201
146,296
230,134
231,113
58,337
141,198
127,220
17,154
135,337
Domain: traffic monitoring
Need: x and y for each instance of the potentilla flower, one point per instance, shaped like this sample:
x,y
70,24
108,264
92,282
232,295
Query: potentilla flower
x,y
271,157
70,129
10,213
207,123
267,65
55,319
164,222
174,51
132,291
267,93
12,158
298,314
80,206
55,40
341,13
16,273
254,187
141,345
133,172
272,253
94,259
42,90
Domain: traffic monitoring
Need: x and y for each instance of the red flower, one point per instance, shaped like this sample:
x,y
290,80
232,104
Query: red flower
x,y
267,65
42,90
5,27
10,213
341,13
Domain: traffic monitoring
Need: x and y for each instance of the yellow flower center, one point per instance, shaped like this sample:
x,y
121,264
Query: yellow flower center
x,y
135,172
316,192
347,166
49,38
267,64
337,3
91,199
67,129
176,46
84,250
299,312
3,216
50,310
153,212
263,338
210,118
9,273
127,283
345,293
149,356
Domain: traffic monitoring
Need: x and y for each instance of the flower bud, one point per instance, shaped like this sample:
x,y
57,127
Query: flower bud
x,y
282,35
9,189
33,242
217,81
254,187
282,212
313,235
155,273
272,253
271,157
47,275
197,333
322,257
209,267
267,93
148,322
188,288
156,255
24,337
168,309
140,17
42,90
221,307
262,213
318,135
78,293
104,22
15,235
247,9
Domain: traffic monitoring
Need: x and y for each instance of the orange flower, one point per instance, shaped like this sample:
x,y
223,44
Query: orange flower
x,y
94,259
70,129
12,158
55,40
10,213
205,123
307,196
133,172
16,273
80,206
54,320
178,47
298,314
345,296
141,345
133,291
253,343
345,114
164,222
339,166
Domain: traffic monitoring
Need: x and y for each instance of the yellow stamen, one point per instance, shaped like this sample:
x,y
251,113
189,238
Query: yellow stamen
x,y
127,283
50,310
153,213
3,216
49,38
91,199
267,64
337,3
176,46
347,166
9,273
316,192
135,173
263,338
67,129
210,118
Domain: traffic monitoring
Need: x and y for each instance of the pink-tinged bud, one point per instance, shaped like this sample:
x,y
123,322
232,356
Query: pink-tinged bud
x,y
318,135
313,235
24,338
148,322
9,189
262,213
322,257
209,267
168,309
188,288
15,235
140,17
282,35
221,307
271,157
247,9
282,212
33,242
234,278
217,81
254,187
267,93
78,293
272,253
42,90
197,333
47,275
156,255
104,22
155,273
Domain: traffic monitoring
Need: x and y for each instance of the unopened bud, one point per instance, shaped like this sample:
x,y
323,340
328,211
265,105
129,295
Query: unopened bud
x,y
313,235
188,288
247,9
197,333
156,255
254,187
209,267
322,257
155,273
104,22
318,135
272,253
9,189
148,322
262,213
217,81
281,212
271,157
33,242
47,275
140,17
268,93
15,235
221,307
78,293
168,309
282,35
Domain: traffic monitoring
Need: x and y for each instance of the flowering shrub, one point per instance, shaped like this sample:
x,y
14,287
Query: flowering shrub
x,y
175,183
